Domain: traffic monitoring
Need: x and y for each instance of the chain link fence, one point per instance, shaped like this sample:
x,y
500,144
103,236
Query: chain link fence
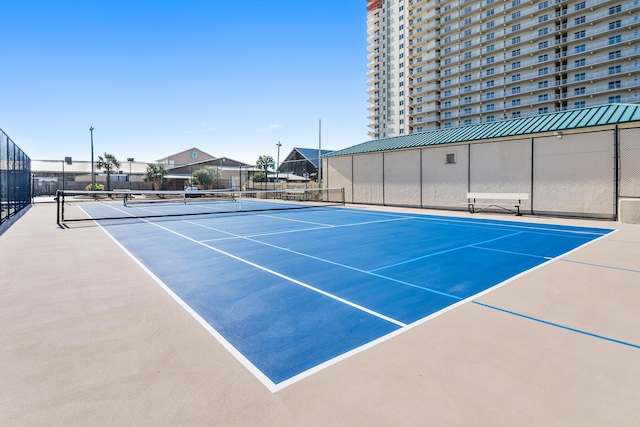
x,y
15,178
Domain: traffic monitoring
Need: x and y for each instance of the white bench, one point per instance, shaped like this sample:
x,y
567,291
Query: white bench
x,y
515,199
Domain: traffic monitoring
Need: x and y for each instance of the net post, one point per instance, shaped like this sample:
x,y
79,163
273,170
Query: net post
x,y
343,200
58,206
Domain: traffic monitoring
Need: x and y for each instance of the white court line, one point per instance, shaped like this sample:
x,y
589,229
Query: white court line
x,y
484,223
348,267
299,230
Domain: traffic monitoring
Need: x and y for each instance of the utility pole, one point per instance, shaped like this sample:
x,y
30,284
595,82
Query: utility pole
x,y
278,162
93,176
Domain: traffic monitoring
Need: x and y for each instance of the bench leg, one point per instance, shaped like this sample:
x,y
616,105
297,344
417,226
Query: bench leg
x,y
518,211
471,208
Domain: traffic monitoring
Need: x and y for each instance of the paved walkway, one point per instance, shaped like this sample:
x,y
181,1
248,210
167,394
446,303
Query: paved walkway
x,y
88,338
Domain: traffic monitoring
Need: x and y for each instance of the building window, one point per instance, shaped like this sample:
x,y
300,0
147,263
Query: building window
x,y
543,5
467,77
515,102
542,85
490,72
580,48
615,99
579,90
515,28
490,95
543,97
467,111
615,9
447,104
615,84
515,15
543,45
543,58
580,20
491,118
467,100
490,60
580,6
490,48
515,65
579,34
467,88
615,24
543,18
490,83
515,78
447,125
447,114
491,107
515,90
616,54
490,36
543,31
579,104
543,110
450,159
615,39
515,52
615,69
467,122
543,71
579,77
579,63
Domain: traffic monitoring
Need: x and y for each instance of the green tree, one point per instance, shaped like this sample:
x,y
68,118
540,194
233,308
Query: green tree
x,y
263,163
155,173
96,187
205,177
108,163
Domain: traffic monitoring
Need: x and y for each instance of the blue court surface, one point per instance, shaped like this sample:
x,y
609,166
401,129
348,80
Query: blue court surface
x,y
291,292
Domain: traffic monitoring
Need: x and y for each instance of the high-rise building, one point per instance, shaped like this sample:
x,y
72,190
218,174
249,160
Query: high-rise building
x,y
444,63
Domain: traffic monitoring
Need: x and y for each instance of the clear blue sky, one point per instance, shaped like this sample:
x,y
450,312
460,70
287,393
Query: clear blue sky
x,y
158,77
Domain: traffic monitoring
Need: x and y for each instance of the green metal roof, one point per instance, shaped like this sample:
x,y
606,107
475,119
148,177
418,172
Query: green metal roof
x,y
609,114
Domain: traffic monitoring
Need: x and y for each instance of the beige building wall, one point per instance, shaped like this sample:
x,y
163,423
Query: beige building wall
x,y
338,173
402,178
575,173
368,179
444,184
502,167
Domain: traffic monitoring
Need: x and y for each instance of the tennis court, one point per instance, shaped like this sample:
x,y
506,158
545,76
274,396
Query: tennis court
x,y
290,292
89,337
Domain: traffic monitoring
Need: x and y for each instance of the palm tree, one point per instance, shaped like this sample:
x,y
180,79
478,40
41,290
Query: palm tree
x,y
263,163
155,173
108,163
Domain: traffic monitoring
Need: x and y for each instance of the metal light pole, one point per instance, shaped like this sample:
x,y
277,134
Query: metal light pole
x,y
278,162
129,159
93,176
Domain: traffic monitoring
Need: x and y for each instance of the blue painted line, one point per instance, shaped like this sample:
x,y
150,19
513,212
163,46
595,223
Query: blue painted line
x,y
443,252
601,265
557,325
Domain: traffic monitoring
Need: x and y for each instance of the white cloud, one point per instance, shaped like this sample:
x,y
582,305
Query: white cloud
x,y
273,126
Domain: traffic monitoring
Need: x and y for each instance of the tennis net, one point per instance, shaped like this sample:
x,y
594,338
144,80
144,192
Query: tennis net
x,y
122,204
